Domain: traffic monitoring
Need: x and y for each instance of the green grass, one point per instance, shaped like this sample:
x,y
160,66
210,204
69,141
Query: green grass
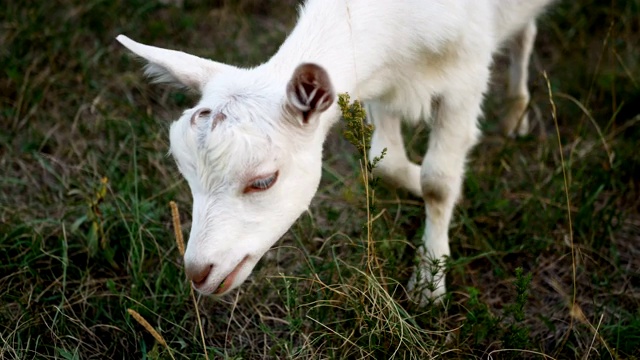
x,y
85,224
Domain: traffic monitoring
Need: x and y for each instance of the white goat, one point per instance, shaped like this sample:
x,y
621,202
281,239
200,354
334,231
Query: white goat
x,y
251,149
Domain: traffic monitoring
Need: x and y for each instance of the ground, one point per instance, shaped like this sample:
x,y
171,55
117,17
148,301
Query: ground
x,y
545,242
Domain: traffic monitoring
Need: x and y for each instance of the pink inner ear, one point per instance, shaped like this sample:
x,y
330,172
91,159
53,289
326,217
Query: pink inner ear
x,y
310,90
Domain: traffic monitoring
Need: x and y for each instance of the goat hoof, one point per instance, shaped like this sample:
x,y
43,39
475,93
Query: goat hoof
x,y
427,289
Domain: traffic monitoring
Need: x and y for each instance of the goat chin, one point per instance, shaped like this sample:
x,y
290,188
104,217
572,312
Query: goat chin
x,y
251,148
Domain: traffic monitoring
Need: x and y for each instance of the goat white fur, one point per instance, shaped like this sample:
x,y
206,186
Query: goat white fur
x,y
251,149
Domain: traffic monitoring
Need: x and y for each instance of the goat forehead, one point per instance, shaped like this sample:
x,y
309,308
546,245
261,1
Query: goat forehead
x,y
248,121
241,144
245,143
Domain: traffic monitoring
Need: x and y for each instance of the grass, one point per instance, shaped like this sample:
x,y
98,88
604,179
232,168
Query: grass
x,y
86,234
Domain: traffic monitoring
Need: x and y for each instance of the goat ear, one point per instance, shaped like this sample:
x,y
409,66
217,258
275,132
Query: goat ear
x,y
310,91
174,67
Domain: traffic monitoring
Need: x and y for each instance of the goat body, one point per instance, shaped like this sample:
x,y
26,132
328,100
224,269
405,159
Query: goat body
x,y
251,149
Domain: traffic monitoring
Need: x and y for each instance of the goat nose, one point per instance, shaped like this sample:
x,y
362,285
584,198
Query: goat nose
x,y
198,273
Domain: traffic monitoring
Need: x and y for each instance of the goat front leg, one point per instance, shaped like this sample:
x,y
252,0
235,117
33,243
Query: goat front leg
x,y
453,134
520,47
394,167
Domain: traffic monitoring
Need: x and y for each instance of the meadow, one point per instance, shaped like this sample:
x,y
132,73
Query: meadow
x,y
545,241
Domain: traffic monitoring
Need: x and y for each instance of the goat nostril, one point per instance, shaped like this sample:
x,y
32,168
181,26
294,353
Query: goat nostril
x,y
198,276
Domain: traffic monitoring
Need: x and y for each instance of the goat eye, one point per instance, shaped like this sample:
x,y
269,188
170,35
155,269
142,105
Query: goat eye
x,y
262,183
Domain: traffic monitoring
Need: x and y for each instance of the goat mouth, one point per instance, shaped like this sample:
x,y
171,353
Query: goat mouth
x,y
228,281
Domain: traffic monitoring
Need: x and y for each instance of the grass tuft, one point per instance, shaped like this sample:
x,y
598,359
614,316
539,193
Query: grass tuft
x,y
145,324
177,228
